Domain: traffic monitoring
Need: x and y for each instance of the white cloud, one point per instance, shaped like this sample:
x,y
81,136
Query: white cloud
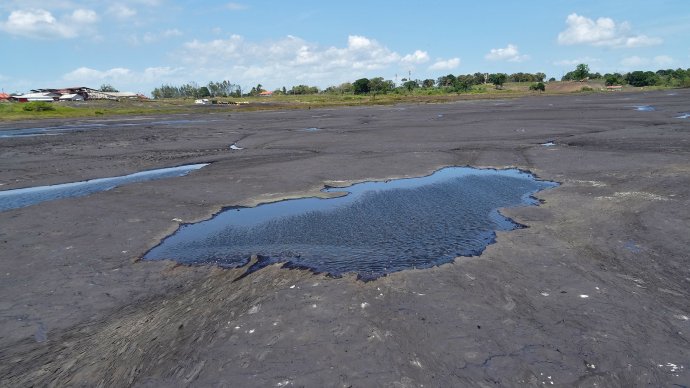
x,y
509,53
235,6
153,37
417,57
291,59
602,32
121,11
123,76
84,16
576,61
39,23
636,62
664,60
448,64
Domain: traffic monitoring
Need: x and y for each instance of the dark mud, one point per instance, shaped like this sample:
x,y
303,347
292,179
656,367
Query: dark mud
x,y
594,291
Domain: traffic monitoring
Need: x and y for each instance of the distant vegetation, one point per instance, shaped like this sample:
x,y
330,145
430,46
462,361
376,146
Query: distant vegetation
x,y
668,78
447,84
192,90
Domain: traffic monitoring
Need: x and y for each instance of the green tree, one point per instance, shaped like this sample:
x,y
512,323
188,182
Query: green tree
x,y
613,79
411,85
642,78
203,92
539,86
498,79
479,78
428,83
445,81
107,88
463,83
361,86
581,72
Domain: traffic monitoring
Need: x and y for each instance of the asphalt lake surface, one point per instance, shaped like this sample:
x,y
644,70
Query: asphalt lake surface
x,y
18,198
375,229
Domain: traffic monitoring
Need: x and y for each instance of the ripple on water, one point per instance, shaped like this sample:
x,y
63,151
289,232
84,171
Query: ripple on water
x,y
376,229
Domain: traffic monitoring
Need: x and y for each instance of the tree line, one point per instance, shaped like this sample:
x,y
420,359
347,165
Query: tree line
x,y
668,77
461,83
193,90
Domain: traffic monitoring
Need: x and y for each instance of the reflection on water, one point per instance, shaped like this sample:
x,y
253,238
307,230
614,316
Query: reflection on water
x,y
376,229
14,199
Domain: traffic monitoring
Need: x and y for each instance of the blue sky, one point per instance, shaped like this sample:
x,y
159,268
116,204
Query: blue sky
x,y
136,45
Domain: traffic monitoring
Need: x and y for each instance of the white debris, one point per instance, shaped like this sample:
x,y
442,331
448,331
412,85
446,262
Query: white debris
x,y
251,331
177,219
254,309
283,383
682,317
292,286
234,146
544,294
237,327
583,296
364,305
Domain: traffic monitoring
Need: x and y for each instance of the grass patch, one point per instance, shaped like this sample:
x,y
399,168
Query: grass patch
x,y
21,111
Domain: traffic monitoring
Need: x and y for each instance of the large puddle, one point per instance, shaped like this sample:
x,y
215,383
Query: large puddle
x,y
18,198
376,229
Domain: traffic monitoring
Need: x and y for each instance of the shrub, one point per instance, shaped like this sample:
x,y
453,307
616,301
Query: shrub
x,y
538,86
38,106
586,89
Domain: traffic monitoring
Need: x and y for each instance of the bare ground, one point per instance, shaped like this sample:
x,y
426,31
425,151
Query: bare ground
x,y
594,291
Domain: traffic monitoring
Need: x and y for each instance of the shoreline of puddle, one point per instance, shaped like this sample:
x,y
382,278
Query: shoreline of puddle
x,y
489,237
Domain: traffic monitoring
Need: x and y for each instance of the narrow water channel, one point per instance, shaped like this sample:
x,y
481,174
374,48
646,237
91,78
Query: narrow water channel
x,y
18,198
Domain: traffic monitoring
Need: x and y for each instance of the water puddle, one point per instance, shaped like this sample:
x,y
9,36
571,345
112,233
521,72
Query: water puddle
x,y
683,116
376,229
59,129
645,108
18,198
312,129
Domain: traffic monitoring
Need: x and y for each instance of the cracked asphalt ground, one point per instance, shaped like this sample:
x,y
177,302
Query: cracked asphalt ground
x,y
594,291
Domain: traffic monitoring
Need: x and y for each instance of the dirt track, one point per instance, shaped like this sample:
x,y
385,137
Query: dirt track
x,y
594,291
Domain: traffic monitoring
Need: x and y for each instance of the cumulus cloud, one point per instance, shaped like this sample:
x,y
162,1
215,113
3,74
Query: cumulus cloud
x,y
121,11
509,53
291,59
636,62
447,64
664,60
39,23
122,76
153,37
602,32
576,61
417,57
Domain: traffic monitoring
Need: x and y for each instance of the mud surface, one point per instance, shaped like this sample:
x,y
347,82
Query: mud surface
x,y
594,291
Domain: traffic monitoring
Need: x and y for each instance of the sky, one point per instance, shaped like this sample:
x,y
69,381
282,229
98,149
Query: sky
x,y
137,45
